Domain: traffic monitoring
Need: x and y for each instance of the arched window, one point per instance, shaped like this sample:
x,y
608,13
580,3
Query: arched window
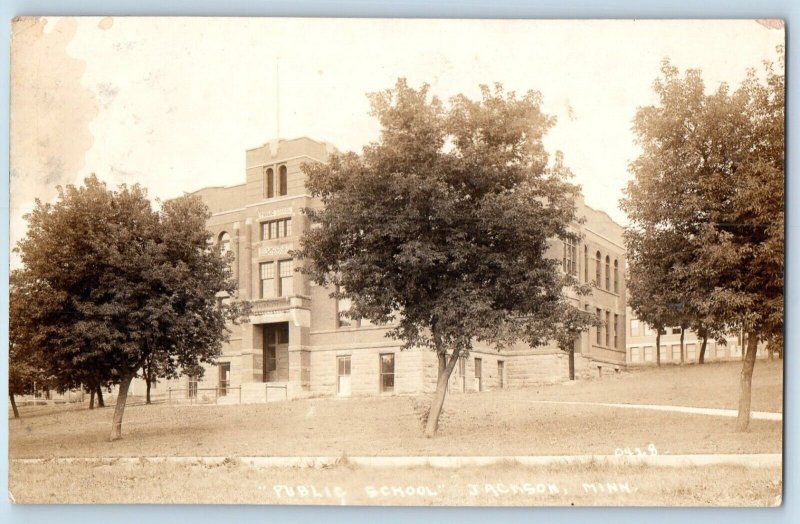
x,y
608,273
269,183
282,181
585,263
598,264
224,242
616,276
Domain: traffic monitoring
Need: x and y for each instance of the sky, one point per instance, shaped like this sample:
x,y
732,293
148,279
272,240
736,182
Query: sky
x,y
173,103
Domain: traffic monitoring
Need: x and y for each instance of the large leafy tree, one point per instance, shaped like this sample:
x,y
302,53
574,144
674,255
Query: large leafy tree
x,y
709,186
443,225
121,282
25,368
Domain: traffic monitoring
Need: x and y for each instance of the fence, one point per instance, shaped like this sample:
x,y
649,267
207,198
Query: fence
x,y
193,395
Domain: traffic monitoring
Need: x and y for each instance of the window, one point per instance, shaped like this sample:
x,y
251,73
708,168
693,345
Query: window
x,y
585,263
387,372
267,272
616,276
276,229
269,183
570,262
282,181
609,327
648,331
192,392
224,378
600,327
286,278
676,331
608,273
597,270
343,375
634,327
635,354
648,354
342,306
224,243
500,374
616,330
479,373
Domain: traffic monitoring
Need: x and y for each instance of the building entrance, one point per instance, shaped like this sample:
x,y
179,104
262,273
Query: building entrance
x,y
276,352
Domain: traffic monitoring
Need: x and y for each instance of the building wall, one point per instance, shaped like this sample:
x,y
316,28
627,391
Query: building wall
x,y
641,343
316,337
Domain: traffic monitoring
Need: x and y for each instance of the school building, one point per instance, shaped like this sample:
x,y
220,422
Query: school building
x,y
297,345
641,345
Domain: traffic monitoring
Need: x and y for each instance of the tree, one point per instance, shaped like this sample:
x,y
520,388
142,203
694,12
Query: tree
x,y
569,327
443,224
123,281
25,369
710,178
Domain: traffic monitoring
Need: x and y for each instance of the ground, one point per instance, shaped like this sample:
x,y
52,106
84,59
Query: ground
x,y
506,423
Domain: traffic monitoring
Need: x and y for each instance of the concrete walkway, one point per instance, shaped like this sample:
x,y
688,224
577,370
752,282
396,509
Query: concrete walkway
x,y
754,415
750,460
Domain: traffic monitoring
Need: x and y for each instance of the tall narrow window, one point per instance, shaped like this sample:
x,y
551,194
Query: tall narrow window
x,y
597,267
224,378
342,306
608,273
267,271
609,327
570,255
269,183
616,276
586,263
616,330
285,269
387,372
283,181
600,326
224,243
192,392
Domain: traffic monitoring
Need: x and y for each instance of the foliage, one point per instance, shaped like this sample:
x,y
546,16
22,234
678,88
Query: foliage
x,y
121,282
706,207
443,225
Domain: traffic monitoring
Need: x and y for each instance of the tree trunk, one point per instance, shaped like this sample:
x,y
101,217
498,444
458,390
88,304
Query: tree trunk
x,y
572,363
119,409
91,398
445,369
147,396
14,405
658,347
746,382
703,349
683,358
100,402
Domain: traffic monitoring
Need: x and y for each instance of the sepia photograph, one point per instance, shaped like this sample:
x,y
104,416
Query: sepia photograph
x,y
396,262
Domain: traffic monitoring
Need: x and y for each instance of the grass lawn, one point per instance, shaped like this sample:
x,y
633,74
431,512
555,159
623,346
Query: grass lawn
x,y
490,423
500,485
504,422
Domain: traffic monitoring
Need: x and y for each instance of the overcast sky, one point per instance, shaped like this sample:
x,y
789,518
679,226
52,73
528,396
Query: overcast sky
x,y
174,103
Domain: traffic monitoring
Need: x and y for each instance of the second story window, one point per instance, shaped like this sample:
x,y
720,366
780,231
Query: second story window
x,y
608,274
224,243
276,229
570,263
585,263
598,263
286,278
616,276
267,274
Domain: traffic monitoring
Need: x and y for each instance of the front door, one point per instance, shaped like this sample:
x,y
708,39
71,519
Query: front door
x,y
343,376
224,378
276,352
